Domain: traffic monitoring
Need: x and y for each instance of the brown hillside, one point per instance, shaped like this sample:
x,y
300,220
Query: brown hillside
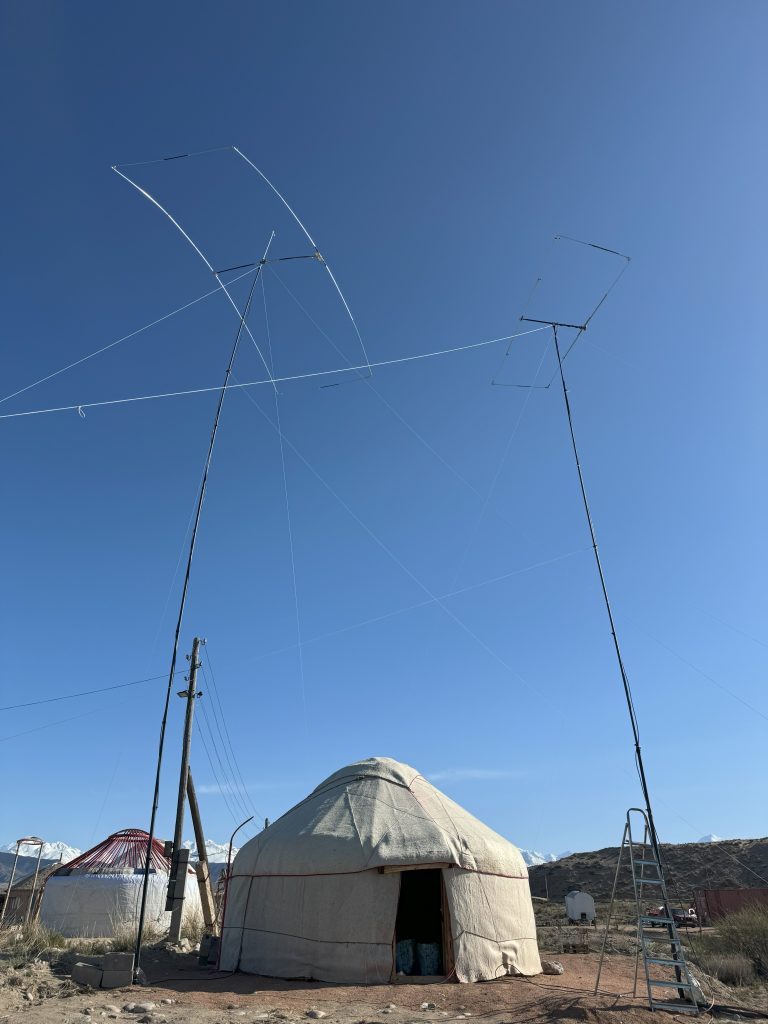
x,y
731,863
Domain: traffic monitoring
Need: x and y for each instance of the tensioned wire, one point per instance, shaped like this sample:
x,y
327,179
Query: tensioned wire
x,y
226,731
229,781
125,337
271,380
404,568
409,426
497,474
486,499
289,521
235,775
222,789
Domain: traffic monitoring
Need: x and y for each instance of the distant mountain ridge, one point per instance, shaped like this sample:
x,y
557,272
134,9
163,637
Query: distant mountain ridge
x,y
714,863
26,866
62,852
533,857
51,851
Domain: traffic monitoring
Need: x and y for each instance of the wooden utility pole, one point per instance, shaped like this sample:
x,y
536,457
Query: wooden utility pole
x,y
202,868
180,857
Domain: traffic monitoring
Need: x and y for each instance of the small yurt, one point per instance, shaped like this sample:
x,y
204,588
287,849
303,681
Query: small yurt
x,y
375,875
99,892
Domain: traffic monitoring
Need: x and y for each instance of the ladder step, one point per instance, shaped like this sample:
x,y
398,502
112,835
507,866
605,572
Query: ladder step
x,y
663,961
659,937
680,1007
656,920
670,984
650,881
648,863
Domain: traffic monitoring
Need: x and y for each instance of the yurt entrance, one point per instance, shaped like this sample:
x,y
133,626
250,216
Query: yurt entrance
x,y
422,929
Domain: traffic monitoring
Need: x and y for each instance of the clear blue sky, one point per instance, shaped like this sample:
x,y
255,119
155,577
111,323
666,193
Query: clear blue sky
x,y
433,150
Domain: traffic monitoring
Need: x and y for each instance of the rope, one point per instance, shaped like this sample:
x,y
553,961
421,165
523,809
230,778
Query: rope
x,y
270,380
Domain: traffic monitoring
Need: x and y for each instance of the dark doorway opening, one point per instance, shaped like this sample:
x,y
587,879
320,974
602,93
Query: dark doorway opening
x,y
419,925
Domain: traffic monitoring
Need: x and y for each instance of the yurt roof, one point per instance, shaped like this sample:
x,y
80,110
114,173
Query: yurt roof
x,y
377,813
121,852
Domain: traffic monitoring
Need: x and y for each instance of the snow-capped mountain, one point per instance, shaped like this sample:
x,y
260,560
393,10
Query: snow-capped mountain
x,y
533,857
711,838
51,851
217,852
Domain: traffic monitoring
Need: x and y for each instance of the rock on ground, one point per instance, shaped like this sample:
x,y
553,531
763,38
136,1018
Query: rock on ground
x,y
552,967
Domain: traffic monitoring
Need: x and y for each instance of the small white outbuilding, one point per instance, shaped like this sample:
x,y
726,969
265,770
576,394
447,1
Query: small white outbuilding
x,y
579,907
377,873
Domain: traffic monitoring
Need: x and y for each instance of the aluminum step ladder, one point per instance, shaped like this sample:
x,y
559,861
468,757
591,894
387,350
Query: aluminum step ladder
x,y
664,964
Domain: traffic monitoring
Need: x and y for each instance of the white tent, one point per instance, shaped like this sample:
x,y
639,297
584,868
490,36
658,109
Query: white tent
x,y
100,891
374,872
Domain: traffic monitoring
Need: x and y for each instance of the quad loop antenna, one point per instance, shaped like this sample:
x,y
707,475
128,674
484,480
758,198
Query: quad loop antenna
x,y
560,356
317,252
204,258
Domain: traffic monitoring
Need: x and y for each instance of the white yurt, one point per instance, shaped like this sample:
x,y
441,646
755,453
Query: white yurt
x,y
378,874
100,891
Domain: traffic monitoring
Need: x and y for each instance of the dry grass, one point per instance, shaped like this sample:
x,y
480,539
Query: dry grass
x,y
193,927
23,943
737,951
125,932
730,968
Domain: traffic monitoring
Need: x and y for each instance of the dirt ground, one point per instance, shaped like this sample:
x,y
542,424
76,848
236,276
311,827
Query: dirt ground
x,y
184,993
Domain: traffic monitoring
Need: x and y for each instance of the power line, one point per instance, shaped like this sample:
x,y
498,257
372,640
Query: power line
x,y
235,817
81,693
62,721
247,794
221,728
228,788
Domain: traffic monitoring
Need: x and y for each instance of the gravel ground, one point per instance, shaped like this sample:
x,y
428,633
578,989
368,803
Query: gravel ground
x,y
182,993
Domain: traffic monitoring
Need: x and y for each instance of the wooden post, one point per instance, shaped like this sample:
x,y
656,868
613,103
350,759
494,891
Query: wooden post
x,y
203,868
179,864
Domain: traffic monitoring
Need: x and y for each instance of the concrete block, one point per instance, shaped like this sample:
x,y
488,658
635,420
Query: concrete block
x,y
116,979
118,961
87,974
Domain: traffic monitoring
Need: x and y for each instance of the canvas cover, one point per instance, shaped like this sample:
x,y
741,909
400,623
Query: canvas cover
x,y
307,899
96,905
